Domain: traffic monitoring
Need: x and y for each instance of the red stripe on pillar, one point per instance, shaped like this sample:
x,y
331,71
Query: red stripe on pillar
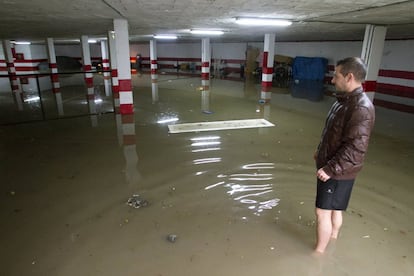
x,y
394,106
115,89
205,76
55,90
125,85
267,70
114,73
89,82
266,88
265,55
52,65
396,74
154,61
55,77
127,119
129,139
370,86
153,71
266,84
105,60
205,64
87,67
126,109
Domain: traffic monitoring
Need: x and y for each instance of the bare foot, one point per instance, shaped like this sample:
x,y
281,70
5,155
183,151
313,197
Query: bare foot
x,y
317,253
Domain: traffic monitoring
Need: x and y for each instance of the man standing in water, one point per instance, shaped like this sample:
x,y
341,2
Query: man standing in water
x,y
341,151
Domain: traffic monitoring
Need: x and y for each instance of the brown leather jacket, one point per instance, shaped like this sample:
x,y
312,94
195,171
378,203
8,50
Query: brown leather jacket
x,y
345,137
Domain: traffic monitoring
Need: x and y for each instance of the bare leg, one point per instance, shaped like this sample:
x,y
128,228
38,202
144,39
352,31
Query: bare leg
x,y
336,223
324,229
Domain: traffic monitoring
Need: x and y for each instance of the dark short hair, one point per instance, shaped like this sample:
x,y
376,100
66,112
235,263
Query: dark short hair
x,y
354,65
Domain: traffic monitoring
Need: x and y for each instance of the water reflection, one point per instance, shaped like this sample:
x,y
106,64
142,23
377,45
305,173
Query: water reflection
x,y
205,96
249,189
127,139
205,143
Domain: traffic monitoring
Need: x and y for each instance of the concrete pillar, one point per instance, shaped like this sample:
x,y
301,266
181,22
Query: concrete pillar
x,y
14,81
105,67
267,67
126,101
372,50
205,75
87,67
205,59
154,70
54,75
114,70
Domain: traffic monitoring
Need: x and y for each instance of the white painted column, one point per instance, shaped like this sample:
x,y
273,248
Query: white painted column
x,y
54,75
205,59
105,67
154,70
87,68
205,74
114,70
267,68
372,49
126,101
14,81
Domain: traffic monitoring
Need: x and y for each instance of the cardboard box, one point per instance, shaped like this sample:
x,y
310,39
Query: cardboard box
x,y
283,59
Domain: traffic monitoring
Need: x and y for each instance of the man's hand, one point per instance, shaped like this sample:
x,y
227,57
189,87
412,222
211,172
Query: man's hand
x,y
321,174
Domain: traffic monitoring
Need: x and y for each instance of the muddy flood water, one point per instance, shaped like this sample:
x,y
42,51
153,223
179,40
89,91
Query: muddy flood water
x,y
231,202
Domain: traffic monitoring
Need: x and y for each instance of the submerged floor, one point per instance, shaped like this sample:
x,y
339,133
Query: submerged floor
x,y
240,201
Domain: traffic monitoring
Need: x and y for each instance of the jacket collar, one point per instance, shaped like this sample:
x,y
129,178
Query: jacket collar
x,y
343,96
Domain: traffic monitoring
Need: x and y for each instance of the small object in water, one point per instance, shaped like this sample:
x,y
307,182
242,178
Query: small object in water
x,y
207,112
262,101
171,238
136,201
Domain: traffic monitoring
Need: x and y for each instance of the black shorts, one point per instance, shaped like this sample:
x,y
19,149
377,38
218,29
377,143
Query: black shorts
x,y
333,194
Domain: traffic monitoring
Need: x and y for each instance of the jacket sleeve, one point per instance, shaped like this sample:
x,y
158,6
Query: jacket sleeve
x,y
350,155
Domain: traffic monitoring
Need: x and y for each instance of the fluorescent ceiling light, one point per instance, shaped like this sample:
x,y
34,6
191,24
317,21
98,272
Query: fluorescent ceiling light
x,y
22,42
207,32
259,21
165,36
92,41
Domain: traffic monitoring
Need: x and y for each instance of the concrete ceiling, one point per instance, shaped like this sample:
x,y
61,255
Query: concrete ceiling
x,y
313,20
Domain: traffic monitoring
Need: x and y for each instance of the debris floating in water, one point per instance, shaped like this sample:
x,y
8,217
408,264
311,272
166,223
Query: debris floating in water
x,y
171,238
136,201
